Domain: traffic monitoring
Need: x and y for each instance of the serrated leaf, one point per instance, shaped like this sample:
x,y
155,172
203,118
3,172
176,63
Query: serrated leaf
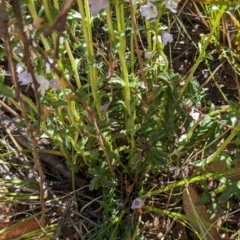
x,y
135,159
94,184
108,182
117,80
157,92
149,124
155,136
159,155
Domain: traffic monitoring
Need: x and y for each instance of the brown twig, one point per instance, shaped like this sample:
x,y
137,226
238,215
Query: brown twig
x,y
60,22
65,215
14,113
18,94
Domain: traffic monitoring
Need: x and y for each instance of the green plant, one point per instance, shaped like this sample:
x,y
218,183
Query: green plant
x,y
117,113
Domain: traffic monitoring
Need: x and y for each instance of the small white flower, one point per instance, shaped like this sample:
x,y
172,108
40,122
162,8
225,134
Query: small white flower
x,y
19,68
134,2
137,203
166,37
157,38
44,84
25,78
182,138
149,11
97,5
194,114
148,55
171,5
48,66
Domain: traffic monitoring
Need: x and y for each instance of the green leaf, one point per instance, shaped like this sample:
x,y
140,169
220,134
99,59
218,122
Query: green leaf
x,y
235,107
117,80
118,135
59,103
237,158
94,183
205,198
155,136
226,194
2,53
83,94
175,94
108,182
6,91
157,92
200,163
161,156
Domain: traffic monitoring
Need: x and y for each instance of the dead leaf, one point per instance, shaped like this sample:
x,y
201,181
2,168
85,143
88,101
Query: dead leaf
x,y
38,23
47,111
22,228
179,232
1,68
220,166
62,82
129,188
200,211
49,53
67,233
70,96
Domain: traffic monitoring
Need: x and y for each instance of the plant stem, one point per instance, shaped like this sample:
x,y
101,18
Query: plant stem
x,y
73,63
90,56
33,12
